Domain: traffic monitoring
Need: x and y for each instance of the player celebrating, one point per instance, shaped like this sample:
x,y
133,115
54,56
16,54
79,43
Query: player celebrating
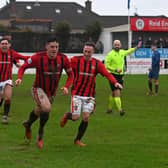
x,y
49,65
7,58
85,70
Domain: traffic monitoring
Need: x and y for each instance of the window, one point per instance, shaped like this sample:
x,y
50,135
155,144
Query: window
x,y
28,7
57,11
37,4
79,11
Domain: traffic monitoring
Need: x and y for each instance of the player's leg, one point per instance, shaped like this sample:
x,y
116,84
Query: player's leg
x,y
150,89
150,92
74,115
88,107
117,94
156,82
1,100
1,95
111,103
44,116
117,100
82,129
156,87
45,107
7,102
33,116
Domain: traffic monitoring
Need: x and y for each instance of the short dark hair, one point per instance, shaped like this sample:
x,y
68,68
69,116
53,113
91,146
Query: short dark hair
x,y
51,39
5,38
90,43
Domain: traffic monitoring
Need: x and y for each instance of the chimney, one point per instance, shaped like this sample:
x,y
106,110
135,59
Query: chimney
x,y
13,8
88,5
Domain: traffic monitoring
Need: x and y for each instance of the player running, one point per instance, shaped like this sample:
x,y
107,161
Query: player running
x,y
8,57
49,65
85,70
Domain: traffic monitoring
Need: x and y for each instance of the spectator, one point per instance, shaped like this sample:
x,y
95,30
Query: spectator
x,y
133,42
156,42
161,43
99,46
166,43
140,41
90,39
148,42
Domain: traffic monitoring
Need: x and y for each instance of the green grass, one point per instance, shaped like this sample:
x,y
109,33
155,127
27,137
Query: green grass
x,y
137,140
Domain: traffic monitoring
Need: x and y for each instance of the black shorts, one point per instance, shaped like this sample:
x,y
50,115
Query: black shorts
x,y
119,78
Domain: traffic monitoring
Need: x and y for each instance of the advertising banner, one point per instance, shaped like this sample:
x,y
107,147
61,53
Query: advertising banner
x,y
149,24
141,66
147,53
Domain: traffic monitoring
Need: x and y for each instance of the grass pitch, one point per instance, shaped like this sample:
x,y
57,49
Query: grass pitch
x,y
137,140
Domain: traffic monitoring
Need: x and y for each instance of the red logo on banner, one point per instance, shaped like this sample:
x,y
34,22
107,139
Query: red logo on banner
x,y
139,24
149,24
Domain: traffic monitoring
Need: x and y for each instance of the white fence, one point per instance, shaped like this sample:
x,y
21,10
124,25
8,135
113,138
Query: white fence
x,y
134,65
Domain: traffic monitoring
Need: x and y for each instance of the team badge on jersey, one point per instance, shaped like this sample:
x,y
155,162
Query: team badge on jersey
x,y
29,61
93,67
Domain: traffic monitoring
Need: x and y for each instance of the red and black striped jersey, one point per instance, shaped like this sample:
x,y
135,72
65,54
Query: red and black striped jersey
x,y
48,71
85,75
6,63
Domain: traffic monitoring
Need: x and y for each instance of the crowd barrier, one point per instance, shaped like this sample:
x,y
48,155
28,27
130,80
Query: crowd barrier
x,y
134,65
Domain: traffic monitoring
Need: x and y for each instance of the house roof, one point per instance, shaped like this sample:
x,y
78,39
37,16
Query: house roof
x,y
75,14
111,21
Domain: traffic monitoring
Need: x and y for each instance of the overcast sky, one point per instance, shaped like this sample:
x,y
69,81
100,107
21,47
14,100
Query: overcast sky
x,y
119,7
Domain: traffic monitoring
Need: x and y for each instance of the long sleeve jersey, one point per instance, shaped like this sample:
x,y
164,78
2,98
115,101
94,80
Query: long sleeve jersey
x,y
85,73
48,71
6,63
156,61
115,60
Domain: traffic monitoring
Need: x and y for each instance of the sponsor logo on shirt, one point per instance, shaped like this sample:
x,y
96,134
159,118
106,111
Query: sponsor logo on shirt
x,y
29,61
93,67
4,62
58,65
84,73
51,73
